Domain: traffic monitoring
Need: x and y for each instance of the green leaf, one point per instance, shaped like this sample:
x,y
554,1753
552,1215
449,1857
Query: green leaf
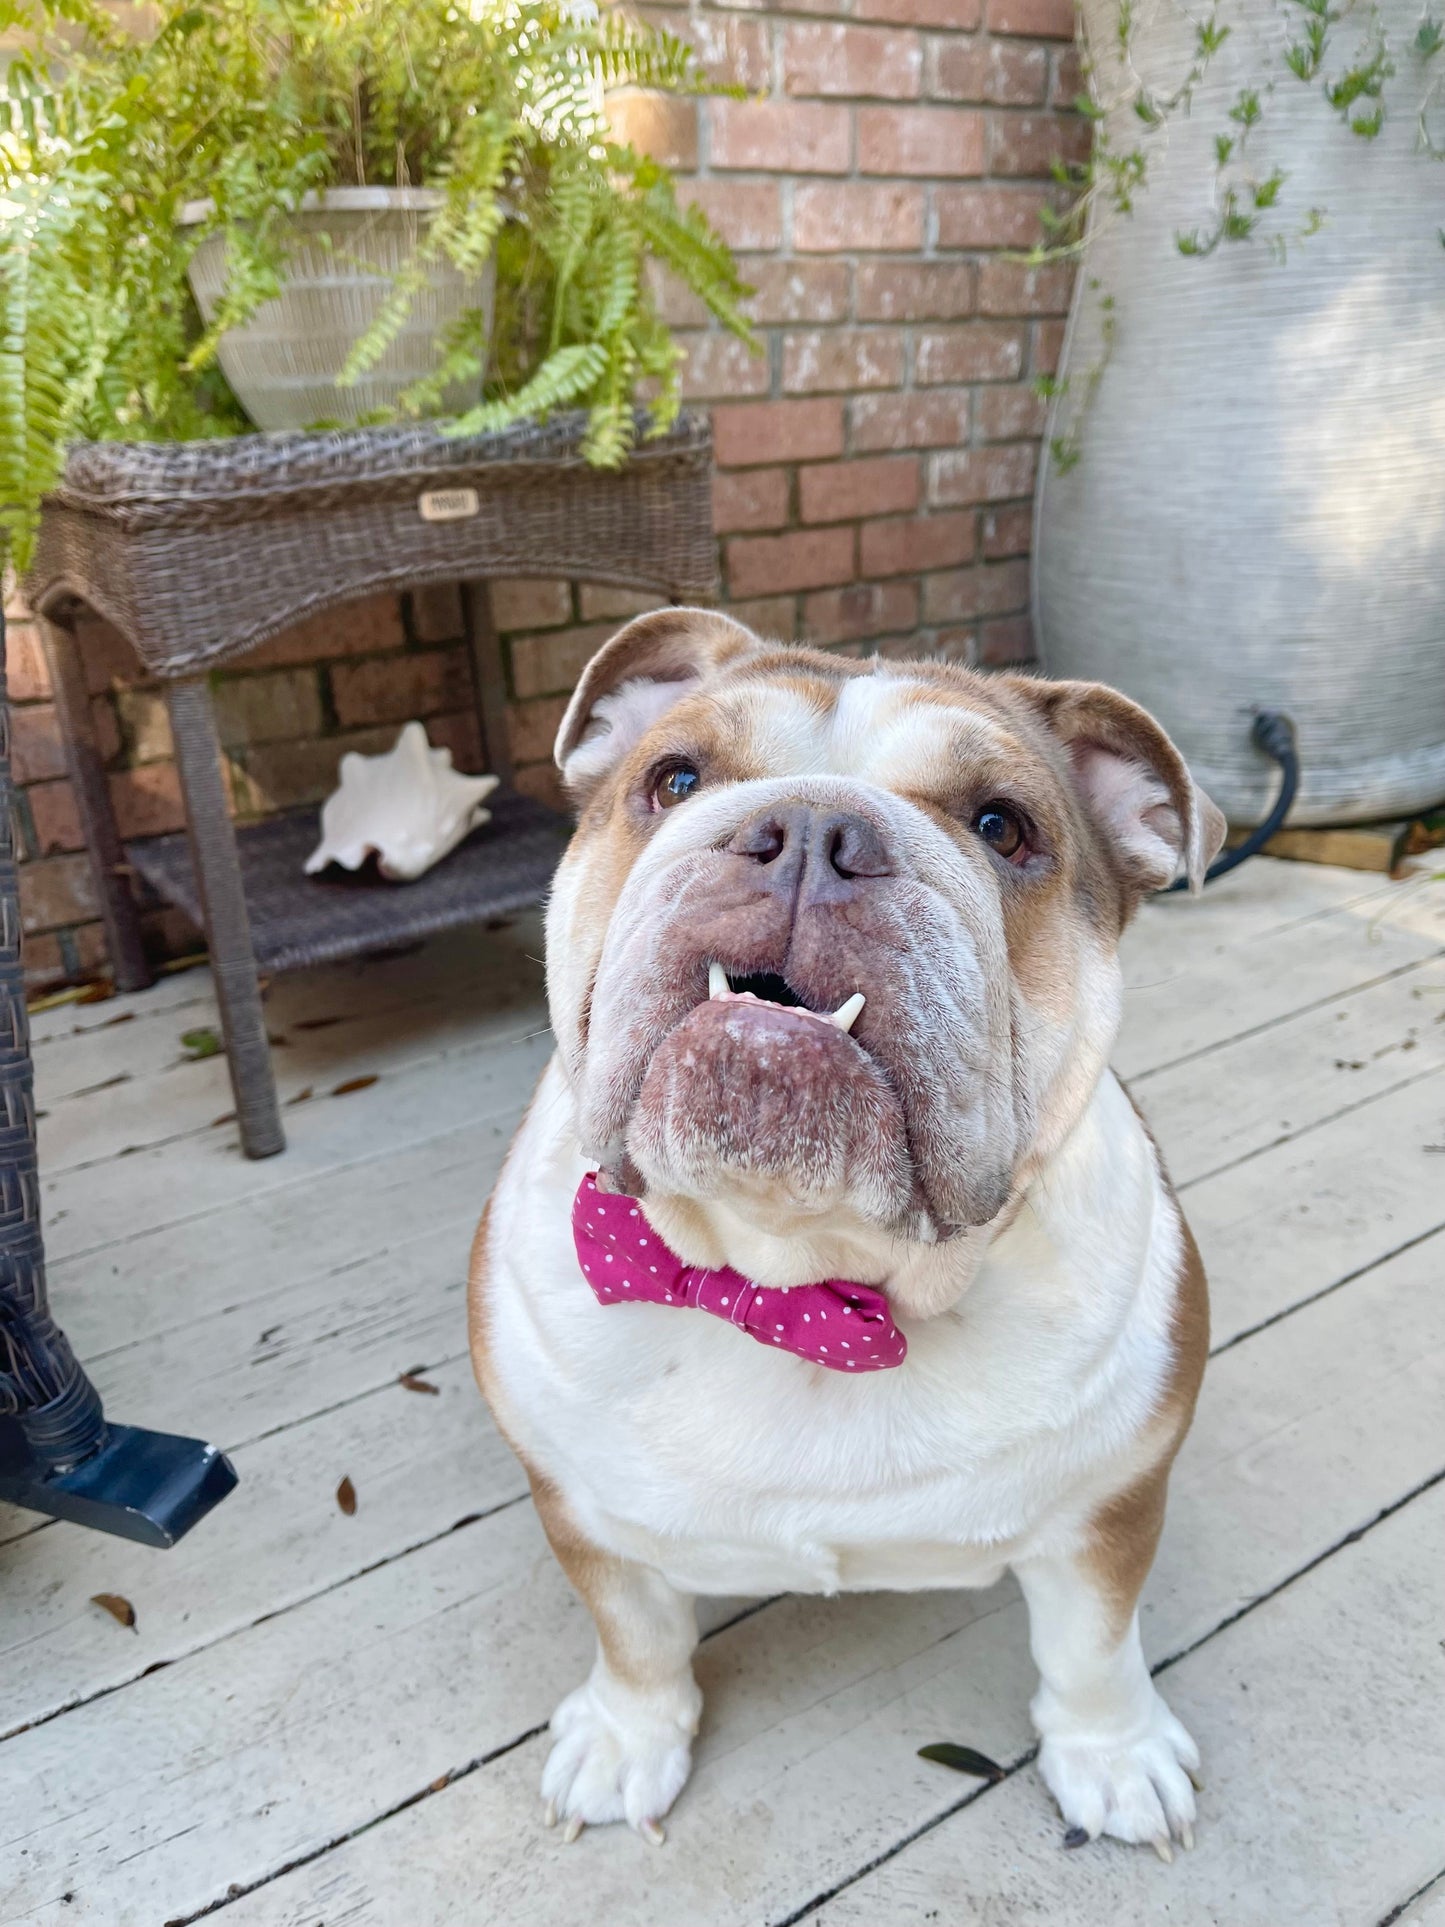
x,y
963,1759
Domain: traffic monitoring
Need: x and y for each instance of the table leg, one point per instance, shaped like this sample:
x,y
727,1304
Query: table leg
x,y
228,927
92,795
488,678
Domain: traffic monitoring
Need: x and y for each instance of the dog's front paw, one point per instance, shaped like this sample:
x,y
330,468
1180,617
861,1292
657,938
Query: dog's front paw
x,y
617,1756
1134,1785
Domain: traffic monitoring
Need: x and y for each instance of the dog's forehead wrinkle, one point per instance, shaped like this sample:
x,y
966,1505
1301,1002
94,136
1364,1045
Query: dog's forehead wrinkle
x,y
888,726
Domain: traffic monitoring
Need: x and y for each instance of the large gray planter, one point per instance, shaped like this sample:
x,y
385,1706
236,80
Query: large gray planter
x,y
1257,516
347,245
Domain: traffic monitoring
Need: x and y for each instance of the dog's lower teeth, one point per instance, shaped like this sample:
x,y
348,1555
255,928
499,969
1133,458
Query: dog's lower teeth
x,y
846,1015
843,1018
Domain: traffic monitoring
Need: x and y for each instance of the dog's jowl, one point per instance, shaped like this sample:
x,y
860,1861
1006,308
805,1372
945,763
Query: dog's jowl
x,y
831,1254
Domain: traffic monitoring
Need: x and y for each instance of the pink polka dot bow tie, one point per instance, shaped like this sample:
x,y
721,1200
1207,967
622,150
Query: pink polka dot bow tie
x,y
845,1327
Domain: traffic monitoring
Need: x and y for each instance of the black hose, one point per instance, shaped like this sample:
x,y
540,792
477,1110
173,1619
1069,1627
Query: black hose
x,y
1273,732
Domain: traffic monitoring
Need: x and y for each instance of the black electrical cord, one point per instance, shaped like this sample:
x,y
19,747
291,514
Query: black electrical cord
x,y
1273,732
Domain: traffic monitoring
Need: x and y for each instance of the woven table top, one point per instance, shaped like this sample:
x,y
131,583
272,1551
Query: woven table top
x,y
199,551
118,477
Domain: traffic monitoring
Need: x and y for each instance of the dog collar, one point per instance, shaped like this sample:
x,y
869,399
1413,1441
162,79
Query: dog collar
x,y
843,1326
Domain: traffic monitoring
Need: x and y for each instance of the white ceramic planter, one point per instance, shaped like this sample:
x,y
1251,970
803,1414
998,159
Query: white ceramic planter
x,y
347,246
1257,517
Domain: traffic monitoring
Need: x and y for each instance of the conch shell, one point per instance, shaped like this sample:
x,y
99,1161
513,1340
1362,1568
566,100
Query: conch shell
x,y
408,807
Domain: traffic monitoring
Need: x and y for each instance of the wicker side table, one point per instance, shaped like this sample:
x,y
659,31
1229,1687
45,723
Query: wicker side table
x,y
199,552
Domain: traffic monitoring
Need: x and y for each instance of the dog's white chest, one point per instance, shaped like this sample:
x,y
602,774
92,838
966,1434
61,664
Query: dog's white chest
x,y
681,1442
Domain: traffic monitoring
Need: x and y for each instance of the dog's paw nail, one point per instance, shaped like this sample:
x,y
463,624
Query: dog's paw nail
x,y
1186,1837
1077,1837
549,1814
651,1832
1164,1850
1196,1778
572,1829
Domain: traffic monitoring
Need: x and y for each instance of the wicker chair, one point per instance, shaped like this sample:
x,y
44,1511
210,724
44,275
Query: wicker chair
x,y
58,1452
198,553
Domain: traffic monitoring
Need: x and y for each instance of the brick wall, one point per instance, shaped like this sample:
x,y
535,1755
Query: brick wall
x,y
874,464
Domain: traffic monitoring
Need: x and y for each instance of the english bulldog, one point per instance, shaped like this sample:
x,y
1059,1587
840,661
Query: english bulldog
x,y
830,1254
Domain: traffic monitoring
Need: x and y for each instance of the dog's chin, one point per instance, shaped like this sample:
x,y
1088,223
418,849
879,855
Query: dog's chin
x,y
768,1107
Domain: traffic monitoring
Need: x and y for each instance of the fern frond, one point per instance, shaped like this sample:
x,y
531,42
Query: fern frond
x,y
563,378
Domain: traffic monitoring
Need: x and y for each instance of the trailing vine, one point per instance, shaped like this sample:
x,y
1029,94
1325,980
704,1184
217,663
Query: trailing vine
x,y
1245,206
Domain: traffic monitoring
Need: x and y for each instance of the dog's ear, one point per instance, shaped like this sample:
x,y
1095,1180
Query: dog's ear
x,y
1134,783
647,667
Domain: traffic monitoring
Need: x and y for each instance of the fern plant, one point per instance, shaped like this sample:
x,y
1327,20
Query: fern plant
x,y
247,105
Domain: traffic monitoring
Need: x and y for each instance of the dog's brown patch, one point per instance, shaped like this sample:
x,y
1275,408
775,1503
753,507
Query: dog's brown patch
x,y
1124,1532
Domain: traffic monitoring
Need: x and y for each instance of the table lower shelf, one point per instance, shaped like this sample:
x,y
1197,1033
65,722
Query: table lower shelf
x,y
296,920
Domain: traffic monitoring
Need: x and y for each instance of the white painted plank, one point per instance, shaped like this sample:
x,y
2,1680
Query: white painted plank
x,y
137,1033
1428,1910
302,1348
455,1010
215,1263
807,1764
1184,998
1295,1220
257,1735
68,1020
91,1208
1322,1721
1242,1097
418,1464
1263,896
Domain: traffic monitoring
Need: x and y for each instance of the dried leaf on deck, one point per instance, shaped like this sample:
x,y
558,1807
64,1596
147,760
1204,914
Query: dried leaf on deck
x,y
119,1609
92,993
963,1759
414,1382
354,1084
346,1497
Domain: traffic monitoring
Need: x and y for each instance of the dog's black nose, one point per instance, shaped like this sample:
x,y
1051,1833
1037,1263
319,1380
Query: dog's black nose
x,y
819,853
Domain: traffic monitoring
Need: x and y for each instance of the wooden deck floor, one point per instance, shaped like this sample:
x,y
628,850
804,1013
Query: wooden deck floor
x,y
322,1718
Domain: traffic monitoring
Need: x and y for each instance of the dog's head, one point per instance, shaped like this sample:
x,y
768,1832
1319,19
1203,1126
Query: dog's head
x,y
767,835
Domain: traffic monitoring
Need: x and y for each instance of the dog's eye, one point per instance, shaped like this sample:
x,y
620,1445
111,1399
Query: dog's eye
x,y
674,785
1001,829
